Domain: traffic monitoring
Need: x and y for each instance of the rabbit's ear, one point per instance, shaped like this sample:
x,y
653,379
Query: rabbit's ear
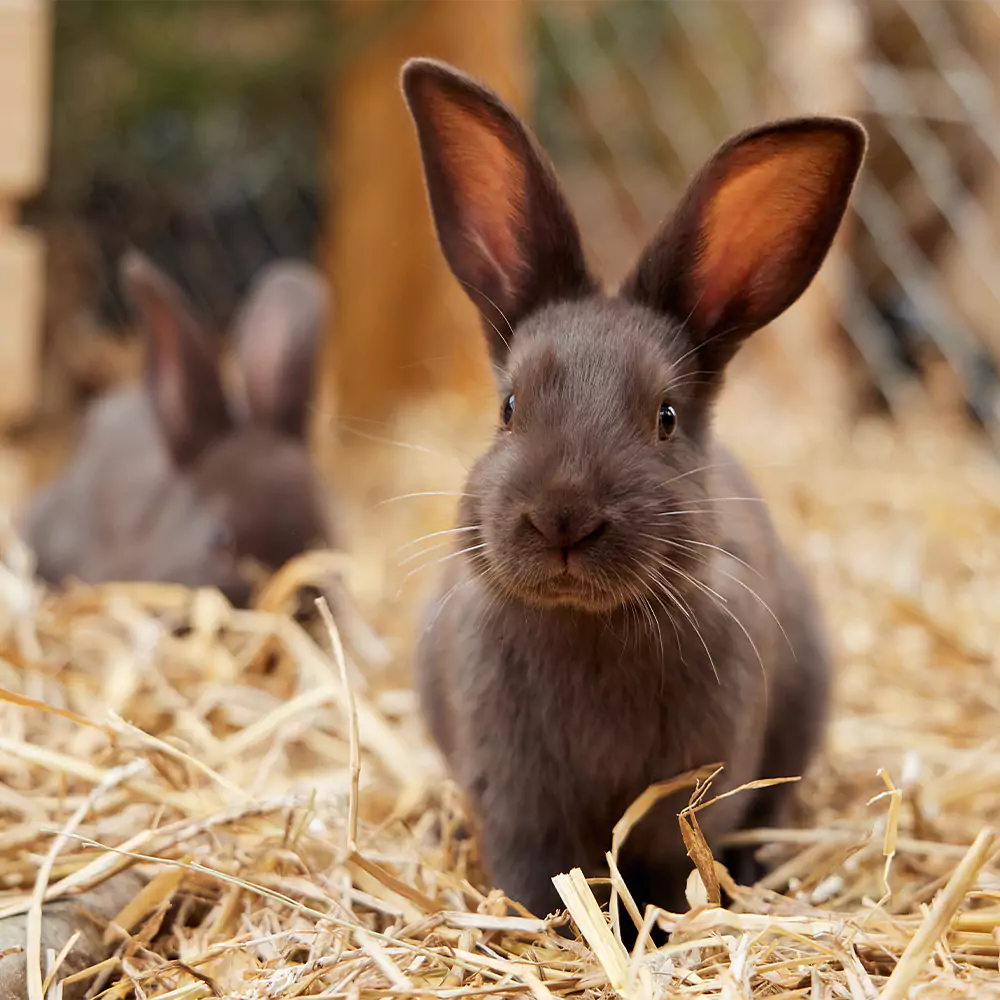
x,y
182,370
277,333
503,224
751,231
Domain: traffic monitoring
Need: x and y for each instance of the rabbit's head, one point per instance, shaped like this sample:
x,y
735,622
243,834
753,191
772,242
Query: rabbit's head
x,y
600,475
247,493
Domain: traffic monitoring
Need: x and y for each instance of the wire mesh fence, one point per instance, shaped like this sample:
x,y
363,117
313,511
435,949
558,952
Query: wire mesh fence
x,y
637,95
196,131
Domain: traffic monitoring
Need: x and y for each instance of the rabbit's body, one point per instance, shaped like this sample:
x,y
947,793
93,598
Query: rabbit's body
x,y
169,481
611,616
78,523
555,719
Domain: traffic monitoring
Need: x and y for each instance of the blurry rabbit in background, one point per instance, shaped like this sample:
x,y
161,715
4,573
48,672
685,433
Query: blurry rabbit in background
x,y
179,481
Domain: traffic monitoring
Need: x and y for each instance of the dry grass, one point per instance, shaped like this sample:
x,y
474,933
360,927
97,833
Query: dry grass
x,y
215,751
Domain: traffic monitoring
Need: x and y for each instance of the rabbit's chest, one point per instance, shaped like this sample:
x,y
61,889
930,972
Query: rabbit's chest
x,y
597,736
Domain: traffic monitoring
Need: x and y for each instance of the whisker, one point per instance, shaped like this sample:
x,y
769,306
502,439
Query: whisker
x,y
423,552
688,378
677,637
408,445
753,593
435,534
654,623
675,543
483,295
725,552
425,493
698,583
441,561
720,499
440,608
708,500
688,613
724,606
685,543
701,468
678,513
704,343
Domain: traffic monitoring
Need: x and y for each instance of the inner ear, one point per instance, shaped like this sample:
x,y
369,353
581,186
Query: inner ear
x,y
488,185
502,221
751,232
756,228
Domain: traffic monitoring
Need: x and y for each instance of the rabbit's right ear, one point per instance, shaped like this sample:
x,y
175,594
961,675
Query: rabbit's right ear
x,y
750,233
182,372
277,334
503,224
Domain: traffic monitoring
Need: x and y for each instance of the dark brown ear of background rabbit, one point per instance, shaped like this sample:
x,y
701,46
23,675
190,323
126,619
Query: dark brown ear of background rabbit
x,y
553,718
182,366
276,339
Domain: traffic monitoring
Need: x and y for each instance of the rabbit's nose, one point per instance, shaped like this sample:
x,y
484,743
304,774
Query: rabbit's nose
x,y
567,527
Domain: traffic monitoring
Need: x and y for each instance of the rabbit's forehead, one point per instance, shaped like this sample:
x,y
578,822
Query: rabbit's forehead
x,y
593,351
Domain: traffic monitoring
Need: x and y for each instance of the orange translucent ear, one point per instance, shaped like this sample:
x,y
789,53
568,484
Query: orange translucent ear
x,y
752,230
503,224
487,187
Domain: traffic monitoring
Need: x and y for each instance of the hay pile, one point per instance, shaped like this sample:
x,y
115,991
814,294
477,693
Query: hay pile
x,y
300,840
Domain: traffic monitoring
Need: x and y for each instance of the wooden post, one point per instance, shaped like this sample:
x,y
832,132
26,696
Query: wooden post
x,y
402,325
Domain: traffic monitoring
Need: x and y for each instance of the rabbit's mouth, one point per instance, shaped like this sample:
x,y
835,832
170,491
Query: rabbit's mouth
x,y
583,599
570,587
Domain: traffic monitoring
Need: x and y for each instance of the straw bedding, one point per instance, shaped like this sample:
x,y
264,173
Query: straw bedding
x,y
300,839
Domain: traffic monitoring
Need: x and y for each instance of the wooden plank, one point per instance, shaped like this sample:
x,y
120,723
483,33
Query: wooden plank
x,y
25,44
21,277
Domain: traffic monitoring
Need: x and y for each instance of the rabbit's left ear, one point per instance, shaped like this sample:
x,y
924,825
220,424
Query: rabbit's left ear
x,y
182,366
502,221
751,231
277,334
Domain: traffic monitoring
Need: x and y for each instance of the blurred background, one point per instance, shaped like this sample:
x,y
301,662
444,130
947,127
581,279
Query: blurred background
x,y
218,135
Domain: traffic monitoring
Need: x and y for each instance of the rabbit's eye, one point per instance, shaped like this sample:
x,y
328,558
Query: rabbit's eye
x,y
508,409
667,421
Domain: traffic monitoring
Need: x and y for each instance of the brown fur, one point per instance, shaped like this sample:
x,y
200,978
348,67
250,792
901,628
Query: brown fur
x,y
87,914
612,617
175,481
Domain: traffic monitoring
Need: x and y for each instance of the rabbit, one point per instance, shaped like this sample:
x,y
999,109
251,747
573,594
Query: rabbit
x,y
86,915
621,609
176,481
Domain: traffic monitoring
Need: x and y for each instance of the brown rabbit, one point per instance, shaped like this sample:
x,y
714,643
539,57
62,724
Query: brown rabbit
x,y
87,915
173,481
613,619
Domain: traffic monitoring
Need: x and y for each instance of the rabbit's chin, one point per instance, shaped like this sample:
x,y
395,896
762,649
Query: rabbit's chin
x,y
587,602
565,591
